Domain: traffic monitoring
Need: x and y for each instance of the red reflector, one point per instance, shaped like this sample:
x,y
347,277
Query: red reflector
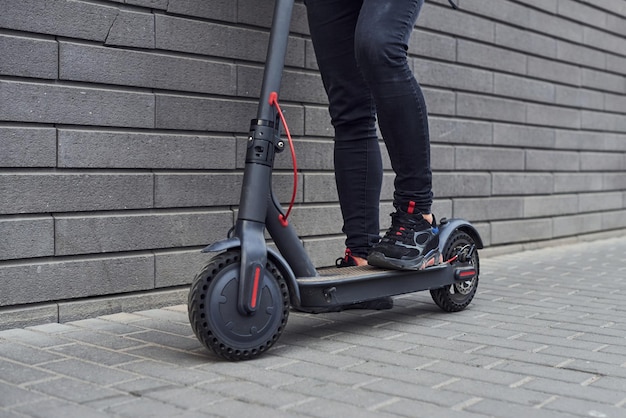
x,y
255,287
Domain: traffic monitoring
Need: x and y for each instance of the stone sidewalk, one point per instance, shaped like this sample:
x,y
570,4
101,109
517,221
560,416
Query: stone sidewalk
x,y
544,337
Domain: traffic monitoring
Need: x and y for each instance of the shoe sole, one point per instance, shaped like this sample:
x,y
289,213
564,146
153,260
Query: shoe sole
x,y
378,259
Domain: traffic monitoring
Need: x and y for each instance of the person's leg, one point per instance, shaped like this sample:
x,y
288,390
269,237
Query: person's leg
x,y
358,164
381,45
382,37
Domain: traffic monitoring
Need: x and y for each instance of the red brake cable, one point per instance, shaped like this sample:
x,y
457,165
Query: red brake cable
x,y
274,102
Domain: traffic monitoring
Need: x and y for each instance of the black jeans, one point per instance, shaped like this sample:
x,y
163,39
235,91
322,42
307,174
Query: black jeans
x,y
361,49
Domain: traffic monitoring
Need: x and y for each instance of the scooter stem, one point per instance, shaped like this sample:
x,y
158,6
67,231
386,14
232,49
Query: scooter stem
x,y
261,148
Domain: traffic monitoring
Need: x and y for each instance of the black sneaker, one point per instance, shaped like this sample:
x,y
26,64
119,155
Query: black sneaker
x,y
410,244
377,304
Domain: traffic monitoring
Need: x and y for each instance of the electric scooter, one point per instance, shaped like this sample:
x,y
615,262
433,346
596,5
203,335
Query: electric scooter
x,y
240,301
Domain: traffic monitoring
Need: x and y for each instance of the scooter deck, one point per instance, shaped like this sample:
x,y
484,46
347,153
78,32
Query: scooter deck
x,y
336,287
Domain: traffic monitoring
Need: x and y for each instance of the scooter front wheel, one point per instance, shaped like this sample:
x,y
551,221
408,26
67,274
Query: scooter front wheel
x,y
217,322
458,296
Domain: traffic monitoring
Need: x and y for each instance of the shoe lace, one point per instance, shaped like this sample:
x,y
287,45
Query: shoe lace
x,y
403,228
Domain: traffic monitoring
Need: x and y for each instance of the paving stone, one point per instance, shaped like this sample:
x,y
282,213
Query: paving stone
x,y
544,337
93,373
72,390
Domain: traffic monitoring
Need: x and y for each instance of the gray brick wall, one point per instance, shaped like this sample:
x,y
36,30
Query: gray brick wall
x,y
123,125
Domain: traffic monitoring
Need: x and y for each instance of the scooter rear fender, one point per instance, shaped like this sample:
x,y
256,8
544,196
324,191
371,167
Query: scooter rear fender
x,y
448,226
275,256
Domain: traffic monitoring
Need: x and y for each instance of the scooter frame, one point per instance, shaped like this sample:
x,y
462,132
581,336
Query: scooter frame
x,y
309,290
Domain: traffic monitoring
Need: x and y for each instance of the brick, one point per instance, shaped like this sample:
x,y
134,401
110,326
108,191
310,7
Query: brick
x,y
602,80
466,185
453,131
60,192
524,40
614,220
543,160
522,88
75,19
317,122
615,63
204,38
26,237
577,182
488,209
181,190
559,72
615,102
219,9
27,147
442,208
42,103
319,187
603,121
317,220
581,140
67,279
582,13
177,267
522,183
433,73
547,5
441,157
542,206
200,114
28,57
152,4
581,98
11,318
603,40
132,29
79,234
76,310
553,116
491,57
523,136
324,251
310,155
186,190
577,224
102,149
296,86
503,232
442,20
579,54
596,161
310,60
517,15
614,181
439,102
432,45
252,13
490,108
598,202
102,65
490,159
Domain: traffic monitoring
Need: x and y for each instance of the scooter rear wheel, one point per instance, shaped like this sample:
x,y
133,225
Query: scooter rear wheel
x,y
458,296
220,325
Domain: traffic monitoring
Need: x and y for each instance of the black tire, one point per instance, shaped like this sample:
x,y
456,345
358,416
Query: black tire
x,y
456,297
215,319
